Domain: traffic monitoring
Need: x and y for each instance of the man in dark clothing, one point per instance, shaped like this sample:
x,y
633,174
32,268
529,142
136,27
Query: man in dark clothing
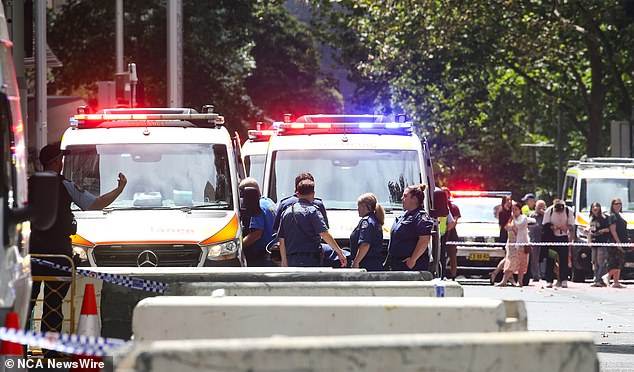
x,y
301,230
56,240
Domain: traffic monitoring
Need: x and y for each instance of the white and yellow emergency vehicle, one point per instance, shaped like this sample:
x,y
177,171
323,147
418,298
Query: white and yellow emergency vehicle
x,y
181,204
254,152
349,155
598,180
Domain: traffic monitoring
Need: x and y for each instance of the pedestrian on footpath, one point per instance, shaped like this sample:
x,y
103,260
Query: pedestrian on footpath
x,y
366,240
616,254
535,235
598,233
516,260
301,229
411,233
559,218
260,228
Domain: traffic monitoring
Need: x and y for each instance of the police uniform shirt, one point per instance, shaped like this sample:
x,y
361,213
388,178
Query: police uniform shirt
x,y
287,202
368,231
301,225
262,222
82,198
406,231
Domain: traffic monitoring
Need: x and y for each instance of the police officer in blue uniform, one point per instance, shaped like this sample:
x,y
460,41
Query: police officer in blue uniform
x,y
301,229
366,240
259,229
288,201
410,233
330,256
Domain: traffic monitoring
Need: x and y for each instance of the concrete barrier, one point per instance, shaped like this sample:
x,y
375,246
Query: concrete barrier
x,y
485,352
118,302
397,289
261,274
181,318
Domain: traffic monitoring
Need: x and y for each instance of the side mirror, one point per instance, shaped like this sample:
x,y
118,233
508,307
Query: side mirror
x,y
250,202
43,201
440,207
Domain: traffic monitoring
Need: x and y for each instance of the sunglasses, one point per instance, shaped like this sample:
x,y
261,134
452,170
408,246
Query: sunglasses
x,y
617,203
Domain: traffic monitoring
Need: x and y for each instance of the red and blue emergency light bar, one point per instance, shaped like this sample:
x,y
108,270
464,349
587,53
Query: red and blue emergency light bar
x,y
481,194
146,117
345,124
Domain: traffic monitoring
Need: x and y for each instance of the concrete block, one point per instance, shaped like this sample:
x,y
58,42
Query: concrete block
x,y
182,318
475,352
118,302
381,288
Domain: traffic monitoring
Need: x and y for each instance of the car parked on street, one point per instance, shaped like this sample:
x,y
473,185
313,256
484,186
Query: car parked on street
x,y
478,226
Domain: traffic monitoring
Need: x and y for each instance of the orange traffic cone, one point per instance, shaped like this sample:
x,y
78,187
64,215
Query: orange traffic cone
x,y
89,325
10,352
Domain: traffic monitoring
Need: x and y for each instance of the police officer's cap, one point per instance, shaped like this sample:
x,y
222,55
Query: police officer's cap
x,y
50,153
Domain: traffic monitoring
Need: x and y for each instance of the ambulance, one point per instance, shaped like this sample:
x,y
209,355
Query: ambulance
x,y
254,152
181,205
24,204
349,155
598,180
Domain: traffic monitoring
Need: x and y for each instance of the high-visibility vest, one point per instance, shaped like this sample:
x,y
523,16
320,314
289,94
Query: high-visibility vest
x,y
443,226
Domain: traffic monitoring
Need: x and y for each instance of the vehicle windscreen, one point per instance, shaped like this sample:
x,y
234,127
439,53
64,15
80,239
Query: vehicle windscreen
x,y
603,190
477,209
341,176
254,166
159,175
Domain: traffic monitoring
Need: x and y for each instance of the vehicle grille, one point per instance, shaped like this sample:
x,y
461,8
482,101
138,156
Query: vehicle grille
x,y
184,255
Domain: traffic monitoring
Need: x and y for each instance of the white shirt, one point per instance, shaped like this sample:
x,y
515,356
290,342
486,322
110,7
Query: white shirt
x,y
82,198
559,219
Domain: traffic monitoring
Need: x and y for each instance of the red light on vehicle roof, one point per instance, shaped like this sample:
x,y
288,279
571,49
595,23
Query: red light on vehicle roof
x,y
260,135
467,193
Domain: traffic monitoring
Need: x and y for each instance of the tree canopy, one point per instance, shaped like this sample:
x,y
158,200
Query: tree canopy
x,y
480,78
252,60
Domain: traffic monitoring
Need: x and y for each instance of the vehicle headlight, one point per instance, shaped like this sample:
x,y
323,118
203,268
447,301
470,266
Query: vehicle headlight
x,y
491,239
81,251
81,246
222,249
468,239
581,232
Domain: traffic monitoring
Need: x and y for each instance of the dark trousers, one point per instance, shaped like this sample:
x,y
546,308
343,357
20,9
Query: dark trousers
x,y
54,294
304,259
397,264
562,252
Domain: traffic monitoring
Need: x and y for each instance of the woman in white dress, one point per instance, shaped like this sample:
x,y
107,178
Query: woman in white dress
x,y
516,261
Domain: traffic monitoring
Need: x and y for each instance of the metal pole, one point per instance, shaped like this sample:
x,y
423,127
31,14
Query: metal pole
x,y
559,151
119,35
174,53
40,74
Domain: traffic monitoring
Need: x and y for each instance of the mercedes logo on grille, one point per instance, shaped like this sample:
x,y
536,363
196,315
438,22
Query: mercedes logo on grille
x,y
147,259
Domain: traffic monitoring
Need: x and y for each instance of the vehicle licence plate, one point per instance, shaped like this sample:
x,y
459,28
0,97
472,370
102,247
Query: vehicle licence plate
x,y
479,257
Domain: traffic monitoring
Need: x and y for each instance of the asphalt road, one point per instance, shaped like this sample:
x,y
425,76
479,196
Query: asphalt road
x,y
606,313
